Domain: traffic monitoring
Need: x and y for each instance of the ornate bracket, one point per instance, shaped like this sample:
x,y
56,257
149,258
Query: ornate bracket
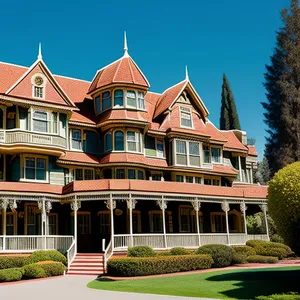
x,y
4,204
243,207
264,208
225,206
196,205
75,205
48,206
13,204
131,203
162,204
114,204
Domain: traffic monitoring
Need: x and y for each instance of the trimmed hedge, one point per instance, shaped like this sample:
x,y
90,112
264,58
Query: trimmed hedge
x,y
262,259
33,271
289,296
141,251
244,250
179,251
12,274
52,268
140,266
238,259
222,255
46,255
7,262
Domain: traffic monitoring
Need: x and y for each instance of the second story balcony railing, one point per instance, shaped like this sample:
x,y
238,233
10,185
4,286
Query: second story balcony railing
x,y
19,136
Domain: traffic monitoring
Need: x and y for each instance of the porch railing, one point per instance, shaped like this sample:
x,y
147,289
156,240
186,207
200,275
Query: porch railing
x,y
189,240
29,243
107,254
18,136
71,253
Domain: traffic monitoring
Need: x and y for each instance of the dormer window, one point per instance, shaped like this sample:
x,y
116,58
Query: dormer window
x,y
186,117
38,86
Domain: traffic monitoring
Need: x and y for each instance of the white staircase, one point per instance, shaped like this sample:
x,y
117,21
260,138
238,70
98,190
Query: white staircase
x,y
87,264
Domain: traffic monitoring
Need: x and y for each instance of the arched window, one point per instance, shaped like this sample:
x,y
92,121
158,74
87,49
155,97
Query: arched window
x,y
108,142
106,100
119,140
118,98
131,98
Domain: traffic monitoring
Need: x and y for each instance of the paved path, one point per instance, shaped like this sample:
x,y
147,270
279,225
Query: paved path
x,y
70,288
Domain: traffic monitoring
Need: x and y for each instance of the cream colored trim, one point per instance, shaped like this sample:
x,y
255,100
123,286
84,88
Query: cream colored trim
x,y
134,212
23,167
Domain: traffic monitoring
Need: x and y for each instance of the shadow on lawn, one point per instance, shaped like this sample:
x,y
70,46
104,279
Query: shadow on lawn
x,y
257,283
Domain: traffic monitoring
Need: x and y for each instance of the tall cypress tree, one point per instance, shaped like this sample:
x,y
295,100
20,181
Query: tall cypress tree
x,y
229,118
283,93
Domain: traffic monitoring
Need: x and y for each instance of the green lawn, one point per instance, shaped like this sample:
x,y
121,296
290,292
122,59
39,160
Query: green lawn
x,y
236,284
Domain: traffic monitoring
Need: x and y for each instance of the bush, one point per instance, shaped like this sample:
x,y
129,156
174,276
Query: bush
x,y
262,259
244,250
239,258
179,251
140,266
33,271
44,255
7,262
289,296
277,252
221,254
141,251
276,238
52,268
12,274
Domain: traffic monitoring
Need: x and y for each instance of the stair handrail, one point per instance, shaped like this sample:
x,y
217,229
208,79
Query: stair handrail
x,y
107,254
71,253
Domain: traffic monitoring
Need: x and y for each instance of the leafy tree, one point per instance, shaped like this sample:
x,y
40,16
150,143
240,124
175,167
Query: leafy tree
x,y
284,204
229,118
262,174
282,82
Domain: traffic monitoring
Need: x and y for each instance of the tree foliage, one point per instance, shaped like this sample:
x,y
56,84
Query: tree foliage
x,y
262,174
284,204
229,118
282,82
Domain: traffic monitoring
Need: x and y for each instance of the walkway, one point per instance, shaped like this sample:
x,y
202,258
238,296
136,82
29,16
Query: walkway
x,y
69,287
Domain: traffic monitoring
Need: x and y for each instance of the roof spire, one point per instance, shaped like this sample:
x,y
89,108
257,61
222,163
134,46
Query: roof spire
x,y
186,73
125,45
40,57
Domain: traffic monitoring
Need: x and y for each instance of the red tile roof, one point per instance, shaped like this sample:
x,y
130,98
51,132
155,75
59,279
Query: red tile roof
x,y
168,96
80,118
26,187
224,169
124,70
133,159
252,150
78,157
233,142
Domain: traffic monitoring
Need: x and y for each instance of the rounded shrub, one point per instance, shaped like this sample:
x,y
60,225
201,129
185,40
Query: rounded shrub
x,y
222,255
276,238
52,268
244,250
141,251
179,251
44,255
33,271
262,259
12,274
7,262
238,259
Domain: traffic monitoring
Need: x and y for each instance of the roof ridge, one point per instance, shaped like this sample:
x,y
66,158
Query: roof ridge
x,y
117,70
130,68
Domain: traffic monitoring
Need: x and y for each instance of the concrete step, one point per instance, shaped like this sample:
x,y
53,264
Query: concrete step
x,y
96,269
89,257
84,273
75,264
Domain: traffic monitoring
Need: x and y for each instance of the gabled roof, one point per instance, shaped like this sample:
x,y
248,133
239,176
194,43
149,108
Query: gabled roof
x,y
169,97
54,93
123,71
233,143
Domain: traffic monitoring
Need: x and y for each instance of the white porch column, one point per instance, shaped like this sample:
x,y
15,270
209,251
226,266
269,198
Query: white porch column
x,y
226,208
131,205
264,209
111,205
163,205
243,208
3,206
196,205
48,207
75,205
240,168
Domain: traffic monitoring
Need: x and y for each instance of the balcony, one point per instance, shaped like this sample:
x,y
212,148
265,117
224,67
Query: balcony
x,y
18,136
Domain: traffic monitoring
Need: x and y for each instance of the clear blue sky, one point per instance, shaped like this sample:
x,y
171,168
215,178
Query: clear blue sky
x,y
211,37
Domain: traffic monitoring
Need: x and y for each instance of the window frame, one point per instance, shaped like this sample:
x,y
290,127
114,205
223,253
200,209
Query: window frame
x,y
89,223
187,154
238,223
56,222
41,86
186,110
15,222
23,167
81,140
118,106
110,97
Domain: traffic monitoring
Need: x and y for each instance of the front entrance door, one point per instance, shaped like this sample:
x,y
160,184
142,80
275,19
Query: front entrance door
x,y
84,237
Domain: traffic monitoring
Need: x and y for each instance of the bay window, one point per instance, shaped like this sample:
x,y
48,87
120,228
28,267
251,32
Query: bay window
x,y
215,153
97,105
108,142
118,98
120,173
133,141
181,156
188,153
141,100
207,157
40,121
106,100
194,154
83,174
131,174
119,141
131,98
76,139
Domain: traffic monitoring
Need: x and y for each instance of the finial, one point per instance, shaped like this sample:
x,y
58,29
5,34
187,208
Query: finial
x,y
125,45
40,52
186,73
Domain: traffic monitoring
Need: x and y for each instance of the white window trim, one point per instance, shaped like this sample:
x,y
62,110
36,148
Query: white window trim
x,y
43,85
72,174
187,153
70,139
184,110
114,172
49,120
23,167
189,175
113,99
140,141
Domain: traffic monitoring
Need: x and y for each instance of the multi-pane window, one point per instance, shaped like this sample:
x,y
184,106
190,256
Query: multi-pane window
x,y
78,174
104,222
76,139
84,174
52,224
10,217
88,174
106,100
40,121
133,141
54,122
118,98
141,100
198,180
38,92
156,222
156,177
211,181
186,117
131,98
140,175
131,174
194,154
97,105
189,179
35,168
215,153
181,156
188,220
160,148
187,153
207,157
83,224
179,178
120,173
119,141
